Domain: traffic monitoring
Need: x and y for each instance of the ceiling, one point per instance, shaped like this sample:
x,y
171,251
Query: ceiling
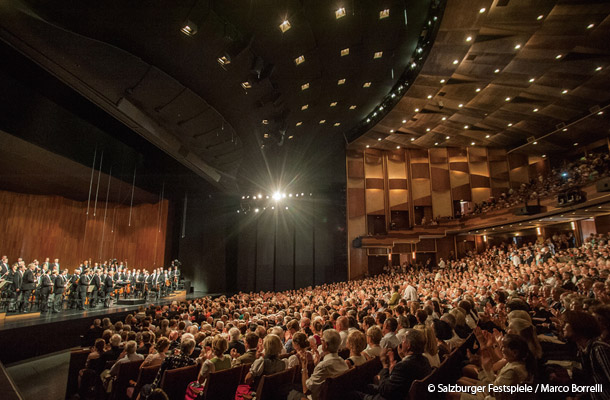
x,y
288,123
525,75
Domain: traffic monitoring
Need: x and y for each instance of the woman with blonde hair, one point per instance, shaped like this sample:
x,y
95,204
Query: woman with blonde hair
x,y
356,343
217,360
269,362
431,350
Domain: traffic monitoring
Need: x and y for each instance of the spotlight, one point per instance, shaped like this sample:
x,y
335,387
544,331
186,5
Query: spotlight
x,y
276,196
283,195
290,195
256,210
260,196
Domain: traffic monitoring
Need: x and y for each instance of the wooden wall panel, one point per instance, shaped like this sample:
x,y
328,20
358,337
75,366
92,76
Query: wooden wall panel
x,y
426,245
439,179
355,169
355,202
397,184
374,183
420,171
37,226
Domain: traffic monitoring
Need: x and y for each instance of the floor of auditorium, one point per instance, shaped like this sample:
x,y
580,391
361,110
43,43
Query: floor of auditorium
x,y
42,377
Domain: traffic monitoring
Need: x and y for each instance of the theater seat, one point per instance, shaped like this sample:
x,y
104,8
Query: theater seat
x,y
276,386
175,381
222,385
245,368
127,372
146,376
367,372
78,359
338,386
419,388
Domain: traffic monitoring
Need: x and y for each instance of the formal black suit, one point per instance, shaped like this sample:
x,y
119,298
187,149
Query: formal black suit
x,y
59,288
108,288
3,269
97,284
83,285
28,285
16,278
396,385
46,286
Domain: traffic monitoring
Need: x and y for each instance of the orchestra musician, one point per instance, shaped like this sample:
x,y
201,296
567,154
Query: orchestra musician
x,y
96,282
28,285
16,277
83,287
4,268
108,288
60,283
74,279
46,286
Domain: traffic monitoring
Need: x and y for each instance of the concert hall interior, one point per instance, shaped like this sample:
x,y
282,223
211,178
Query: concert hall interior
x,y
281,199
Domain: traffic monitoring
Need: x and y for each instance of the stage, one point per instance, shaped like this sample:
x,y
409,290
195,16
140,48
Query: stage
x,y
24,336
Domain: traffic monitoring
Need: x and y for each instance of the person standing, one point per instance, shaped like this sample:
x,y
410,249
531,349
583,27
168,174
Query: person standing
x,y
108,288
96,282
27,286
46,287
59,288
83,286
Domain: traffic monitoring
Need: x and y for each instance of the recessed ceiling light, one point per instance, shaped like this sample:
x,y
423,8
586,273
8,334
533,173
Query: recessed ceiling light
x,y
366,84
510,124
284,26
600,113
544,156
466,126
337,123
299,123
265,121
455,62
447,137
398,147
299,60
189,29
412,139
305,86
352,107
565,129
417,110
517,47
384,13
540,17
534,143
507,99
368,120
535,110
469,38
340,13
460,105
266,135
477,90
558,56
429,96
444,118
443,81
367,146
378,54
404,121
334,103
564,91
304,107
532,80
379,139
598,69
487,136
341,81
391,130
322,121
345,52
472,143
496,70
436,143
223,60
590,26
576,144
482,10
246,85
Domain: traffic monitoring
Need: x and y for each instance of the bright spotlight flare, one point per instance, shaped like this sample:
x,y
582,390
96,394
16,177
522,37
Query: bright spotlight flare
x,y
277,196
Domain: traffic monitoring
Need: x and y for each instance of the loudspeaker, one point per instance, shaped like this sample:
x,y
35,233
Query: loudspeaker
x,y
571,197
357,243
528,210
603,185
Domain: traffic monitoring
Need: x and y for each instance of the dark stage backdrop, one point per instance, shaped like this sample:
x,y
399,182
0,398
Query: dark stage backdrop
x,y
38,226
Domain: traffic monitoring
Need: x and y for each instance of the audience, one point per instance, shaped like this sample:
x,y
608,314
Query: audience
x,y
537,312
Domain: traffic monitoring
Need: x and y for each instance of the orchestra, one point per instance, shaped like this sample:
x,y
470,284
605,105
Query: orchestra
x,y
47,288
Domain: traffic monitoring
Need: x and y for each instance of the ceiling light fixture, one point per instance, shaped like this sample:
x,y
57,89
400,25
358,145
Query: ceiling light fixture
x,y
246,85
534,143
397,147
469,38
507,99
189,29
598,69
510,124
532,80
284,26
299,60
487,136
223,60
290,137
472,143
455,62
590,26
384,13
367,146
576,144
544,156
477,90
496,70
322,121
378,54
340,13
337,124
429,96
564,91
341,81
442,81
427,129
305,86
299,123
304,107
345,52
466,126
482,10
436,143
379,139
558,56
535,110
352,107
391,130
460,105
444,118
333,104
366,84
517,47
404,121
412,139
540,17
447,137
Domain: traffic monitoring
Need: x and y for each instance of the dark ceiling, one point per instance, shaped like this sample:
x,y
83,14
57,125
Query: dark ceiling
x,y
286,127
529,76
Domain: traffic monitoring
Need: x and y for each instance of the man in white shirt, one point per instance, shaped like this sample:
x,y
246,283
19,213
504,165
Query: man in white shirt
x,y
441,264
330,366
389,339
410,292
